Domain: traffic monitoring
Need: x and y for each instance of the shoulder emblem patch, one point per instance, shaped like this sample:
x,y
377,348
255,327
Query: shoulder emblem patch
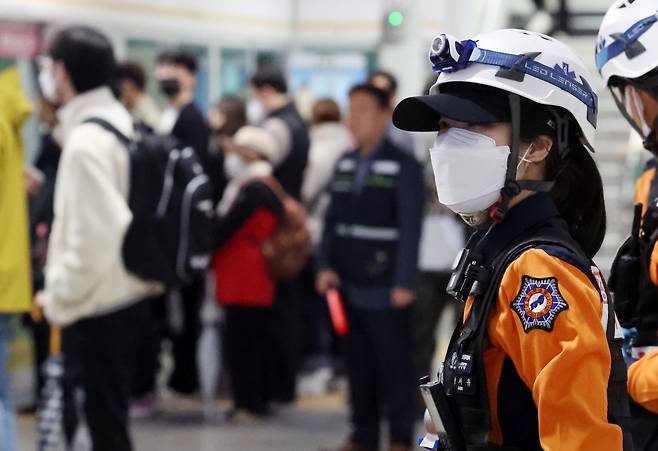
x,y
538,303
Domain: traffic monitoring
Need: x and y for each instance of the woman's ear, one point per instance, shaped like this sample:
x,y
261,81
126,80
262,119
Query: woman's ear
x,y
540,149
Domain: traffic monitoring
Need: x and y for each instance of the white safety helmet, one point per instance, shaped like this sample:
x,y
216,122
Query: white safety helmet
x,y
627,45
517,62
532,65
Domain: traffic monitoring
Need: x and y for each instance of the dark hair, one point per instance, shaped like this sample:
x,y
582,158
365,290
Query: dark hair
x,y
390,80
132,71
179,57
87,56
325,110
378,94
578,189
270,76
235,111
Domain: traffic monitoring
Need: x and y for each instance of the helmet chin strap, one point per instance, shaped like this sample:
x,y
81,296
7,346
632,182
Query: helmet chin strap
x,y
650,142
512,186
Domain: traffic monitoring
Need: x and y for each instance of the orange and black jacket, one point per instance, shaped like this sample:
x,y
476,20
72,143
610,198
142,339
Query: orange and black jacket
x,y
643,374
545,353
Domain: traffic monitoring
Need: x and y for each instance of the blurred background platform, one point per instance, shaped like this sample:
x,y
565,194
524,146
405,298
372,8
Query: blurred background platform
x,y
308,425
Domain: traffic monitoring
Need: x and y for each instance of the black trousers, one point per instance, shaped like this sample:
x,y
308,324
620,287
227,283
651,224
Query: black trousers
x,y
185,376
149,345
248,346
105,348
286,341
379,359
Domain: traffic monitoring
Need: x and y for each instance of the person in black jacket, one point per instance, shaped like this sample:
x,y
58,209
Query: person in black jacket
x,y
176,74
283,121
270,88
369,250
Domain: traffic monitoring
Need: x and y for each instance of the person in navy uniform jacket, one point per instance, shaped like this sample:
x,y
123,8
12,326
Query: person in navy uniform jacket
x,y
369,250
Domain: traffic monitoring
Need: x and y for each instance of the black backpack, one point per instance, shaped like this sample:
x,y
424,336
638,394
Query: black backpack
x,y
170,238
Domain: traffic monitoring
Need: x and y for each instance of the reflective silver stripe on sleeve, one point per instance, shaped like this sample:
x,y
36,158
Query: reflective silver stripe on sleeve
x,y
365,232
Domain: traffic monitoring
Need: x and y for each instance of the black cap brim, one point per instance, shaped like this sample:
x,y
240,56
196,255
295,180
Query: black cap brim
x,y
422,113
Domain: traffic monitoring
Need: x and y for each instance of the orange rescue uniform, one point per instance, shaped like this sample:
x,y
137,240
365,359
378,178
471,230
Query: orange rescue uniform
x,y
566,369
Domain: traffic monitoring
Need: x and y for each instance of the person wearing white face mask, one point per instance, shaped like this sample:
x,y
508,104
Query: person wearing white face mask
x,y
627,59
534,363
250,211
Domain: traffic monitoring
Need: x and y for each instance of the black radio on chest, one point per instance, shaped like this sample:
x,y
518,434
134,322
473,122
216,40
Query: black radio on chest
x,y
469,276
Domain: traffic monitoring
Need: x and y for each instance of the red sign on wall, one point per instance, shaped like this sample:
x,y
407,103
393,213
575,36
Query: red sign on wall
x,y
19,40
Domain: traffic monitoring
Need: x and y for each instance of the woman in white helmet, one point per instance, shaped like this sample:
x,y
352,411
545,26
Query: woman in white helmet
x,y
529,367
627,58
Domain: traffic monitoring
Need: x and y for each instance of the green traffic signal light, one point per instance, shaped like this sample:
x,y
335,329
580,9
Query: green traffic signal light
x,y
395,18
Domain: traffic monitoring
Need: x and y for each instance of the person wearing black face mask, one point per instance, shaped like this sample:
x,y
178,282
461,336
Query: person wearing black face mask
x,y
176,74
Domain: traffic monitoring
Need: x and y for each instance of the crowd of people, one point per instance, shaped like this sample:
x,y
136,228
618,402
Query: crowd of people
x,y
299,205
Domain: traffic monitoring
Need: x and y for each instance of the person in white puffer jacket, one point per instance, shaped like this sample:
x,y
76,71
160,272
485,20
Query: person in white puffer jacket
x,y
88,290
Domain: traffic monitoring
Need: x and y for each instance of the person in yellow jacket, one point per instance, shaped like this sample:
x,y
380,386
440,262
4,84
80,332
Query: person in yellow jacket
x,y
15,282
530,366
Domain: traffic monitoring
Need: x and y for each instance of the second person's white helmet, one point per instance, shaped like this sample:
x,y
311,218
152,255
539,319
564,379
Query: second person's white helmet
x,y
627,45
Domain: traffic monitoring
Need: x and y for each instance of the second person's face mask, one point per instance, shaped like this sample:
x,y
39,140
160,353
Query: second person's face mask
x,y
469,170
170,87
635,107
48,85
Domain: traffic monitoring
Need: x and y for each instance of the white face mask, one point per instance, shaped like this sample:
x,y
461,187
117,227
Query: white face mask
x,y
46,80
255,112
234,166
632,103
469,170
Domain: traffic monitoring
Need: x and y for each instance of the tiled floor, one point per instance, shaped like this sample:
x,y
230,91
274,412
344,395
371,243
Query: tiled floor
x,y
305,427
313,423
